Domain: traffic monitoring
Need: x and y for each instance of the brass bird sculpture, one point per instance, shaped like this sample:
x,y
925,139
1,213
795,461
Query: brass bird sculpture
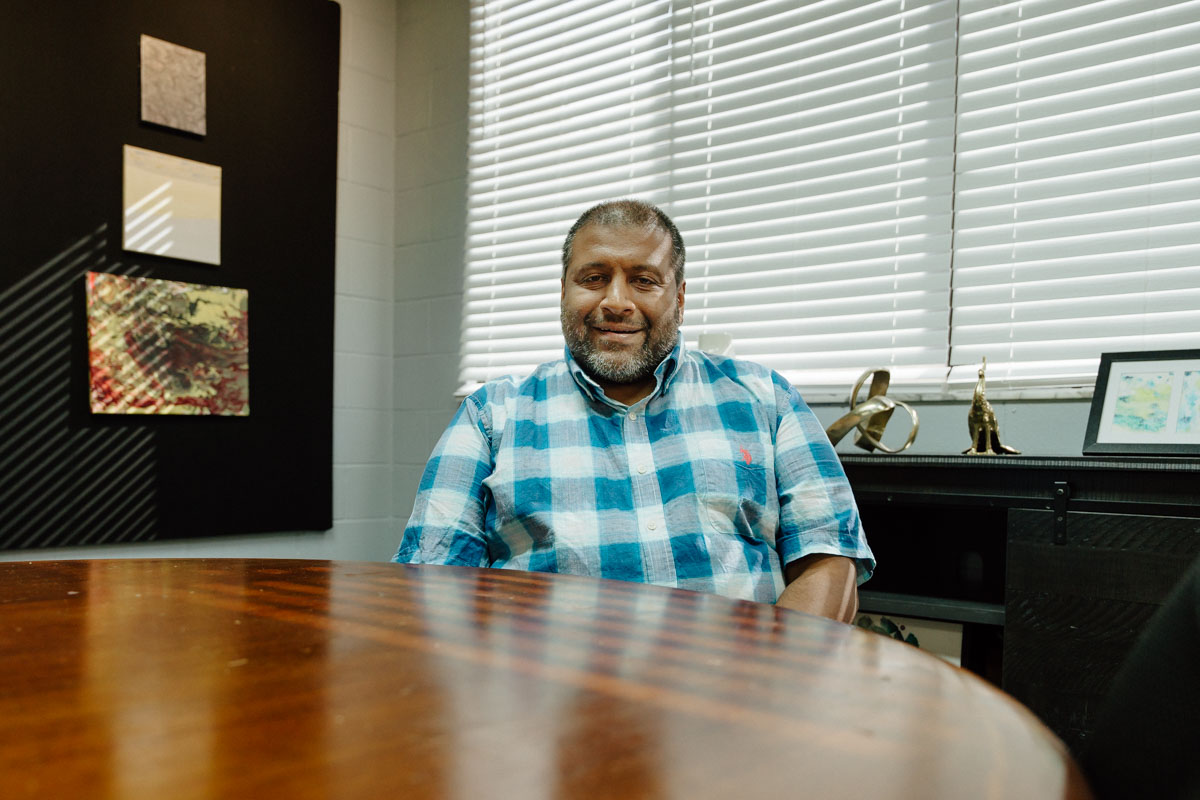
x,y
981,420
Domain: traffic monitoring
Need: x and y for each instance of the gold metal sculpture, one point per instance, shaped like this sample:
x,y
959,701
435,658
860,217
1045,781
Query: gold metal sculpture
x,y
981,420
871,416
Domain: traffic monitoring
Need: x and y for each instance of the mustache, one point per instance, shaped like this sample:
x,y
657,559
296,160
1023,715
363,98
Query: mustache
x,y
598,317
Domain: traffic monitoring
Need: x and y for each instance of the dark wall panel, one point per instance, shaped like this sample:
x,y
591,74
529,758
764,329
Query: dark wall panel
x,y
70,100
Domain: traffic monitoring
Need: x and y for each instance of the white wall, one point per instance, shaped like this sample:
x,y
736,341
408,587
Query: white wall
x,y
364,312
431,190
1035,427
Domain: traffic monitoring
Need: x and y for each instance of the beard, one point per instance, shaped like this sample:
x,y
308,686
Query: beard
x,y
615,363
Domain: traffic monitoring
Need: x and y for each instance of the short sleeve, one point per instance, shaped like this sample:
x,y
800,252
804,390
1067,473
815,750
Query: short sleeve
x,y
817,512
447,521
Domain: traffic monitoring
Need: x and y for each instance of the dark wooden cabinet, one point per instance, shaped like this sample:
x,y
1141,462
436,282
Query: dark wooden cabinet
x,y
1053,565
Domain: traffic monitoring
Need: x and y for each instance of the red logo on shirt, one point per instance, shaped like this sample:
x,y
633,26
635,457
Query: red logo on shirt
x,y
746,455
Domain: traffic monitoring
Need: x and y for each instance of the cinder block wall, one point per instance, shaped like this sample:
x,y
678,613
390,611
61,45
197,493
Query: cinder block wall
x,y
365,314
432,46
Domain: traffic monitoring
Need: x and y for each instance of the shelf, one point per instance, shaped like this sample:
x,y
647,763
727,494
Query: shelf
x,y
910,605
1085,463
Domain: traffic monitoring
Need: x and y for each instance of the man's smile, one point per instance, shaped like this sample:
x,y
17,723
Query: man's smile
x,y
616,333
613,331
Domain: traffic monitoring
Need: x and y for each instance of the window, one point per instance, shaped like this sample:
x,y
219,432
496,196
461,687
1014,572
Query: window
x,y
1077,226
907,184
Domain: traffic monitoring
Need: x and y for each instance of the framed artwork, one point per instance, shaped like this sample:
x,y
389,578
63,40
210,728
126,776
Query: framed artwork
x,y
166,347
174,85
172,206
1146,403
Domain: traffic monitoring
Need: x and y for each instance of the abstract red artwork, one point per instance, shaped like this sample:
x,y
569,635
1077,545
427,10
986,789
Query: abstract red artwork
x,y
166,347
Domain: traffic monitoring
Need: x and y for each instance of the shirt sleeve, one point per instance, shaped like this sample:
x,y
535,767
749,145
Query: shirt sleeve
x,y
447,521
817,512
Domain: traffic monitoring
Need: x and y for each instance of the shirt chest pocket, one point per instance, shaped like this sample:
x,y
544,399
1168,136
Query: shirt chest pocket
x,y
738,497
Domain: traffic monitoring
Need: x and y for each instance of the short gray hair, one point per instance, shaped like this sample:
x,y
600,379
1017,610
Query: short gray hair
x,y
629,214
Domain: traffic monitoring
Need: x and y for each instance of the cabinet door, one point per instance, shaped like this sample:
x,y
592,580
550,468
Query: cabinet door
x,y
1074,610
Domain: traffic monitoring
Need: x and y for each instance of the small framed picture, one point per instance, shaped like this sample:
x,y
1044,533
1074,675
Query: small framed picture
x,y
1146,403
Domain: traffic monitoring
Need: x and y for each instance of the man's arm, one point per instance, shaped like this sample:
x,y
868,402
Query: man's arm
x,y
821,584
820,542
447,521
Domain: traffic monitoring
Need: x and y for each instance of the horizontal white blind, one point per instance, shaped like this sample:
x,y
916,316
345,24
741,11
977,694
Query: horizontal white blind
x,y
804,150
570,104
811,163
1077,226
856,187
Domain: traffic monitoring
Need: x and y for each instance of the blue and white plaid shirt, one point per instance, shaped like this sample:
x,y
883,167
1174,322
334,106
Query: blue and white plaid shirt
x,y
714,482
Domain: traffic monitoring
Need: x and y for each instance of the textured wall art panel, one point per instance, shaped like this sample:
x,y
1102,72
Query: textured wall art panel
x,y
172,206
174,86
167,347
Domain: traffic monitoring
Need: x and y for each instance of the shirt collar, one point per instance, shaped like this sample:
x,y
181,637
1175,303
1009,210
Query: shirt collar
x,y
664,375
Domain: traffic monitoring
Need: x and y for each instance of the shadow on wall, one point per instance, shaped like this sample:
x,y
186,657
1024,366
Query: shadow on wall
x,y
63,481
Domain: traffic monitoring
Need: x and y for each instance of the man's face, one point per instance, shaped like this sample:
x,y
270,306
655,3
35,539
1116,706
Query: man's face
x,y
621,308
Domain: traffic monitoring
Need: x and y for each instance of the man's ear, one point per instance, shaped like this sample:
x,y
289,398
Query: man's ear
x,y
562,288
679,298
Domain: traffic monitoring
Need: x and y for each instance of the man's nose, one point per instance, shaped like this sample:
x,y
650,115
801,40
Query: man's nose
x,y
618,299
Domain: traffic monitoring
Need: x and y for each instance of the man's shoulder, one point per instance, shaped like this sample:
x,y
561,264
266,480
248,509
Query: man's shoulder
x,y
545,378
730,372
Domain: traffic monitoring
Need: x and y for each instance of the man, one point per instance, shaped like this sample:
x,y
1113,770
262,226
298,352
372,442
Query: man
x,y
634,458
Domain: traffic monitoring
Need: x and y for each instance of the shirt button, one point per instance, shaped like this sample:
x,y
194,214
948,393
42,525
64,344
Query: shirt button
x,y
633,416
642,469
652,525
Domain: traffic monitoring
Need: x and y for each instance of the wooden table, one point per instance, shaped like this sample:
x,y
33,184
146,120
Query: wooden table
x,y
224,678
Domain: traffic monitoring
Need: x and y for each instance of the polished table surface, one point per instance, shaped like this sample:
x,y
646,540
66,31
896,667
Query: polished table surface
x,y
196,678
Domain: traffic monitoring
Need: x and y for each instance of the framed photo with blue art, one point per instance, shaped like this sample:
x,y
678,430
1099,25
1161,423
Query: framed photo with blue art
x,y
1146,403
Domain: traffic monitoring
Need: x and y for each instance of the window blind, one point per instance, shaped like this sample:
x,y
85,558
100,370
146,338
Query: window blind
x,y
805,152
1077,226
811,163
570,105
898,183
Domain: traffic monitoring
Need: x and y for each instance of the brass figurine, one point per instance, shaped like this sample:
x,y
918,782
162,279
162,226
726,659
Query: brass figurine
x,y
981,419
871,416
